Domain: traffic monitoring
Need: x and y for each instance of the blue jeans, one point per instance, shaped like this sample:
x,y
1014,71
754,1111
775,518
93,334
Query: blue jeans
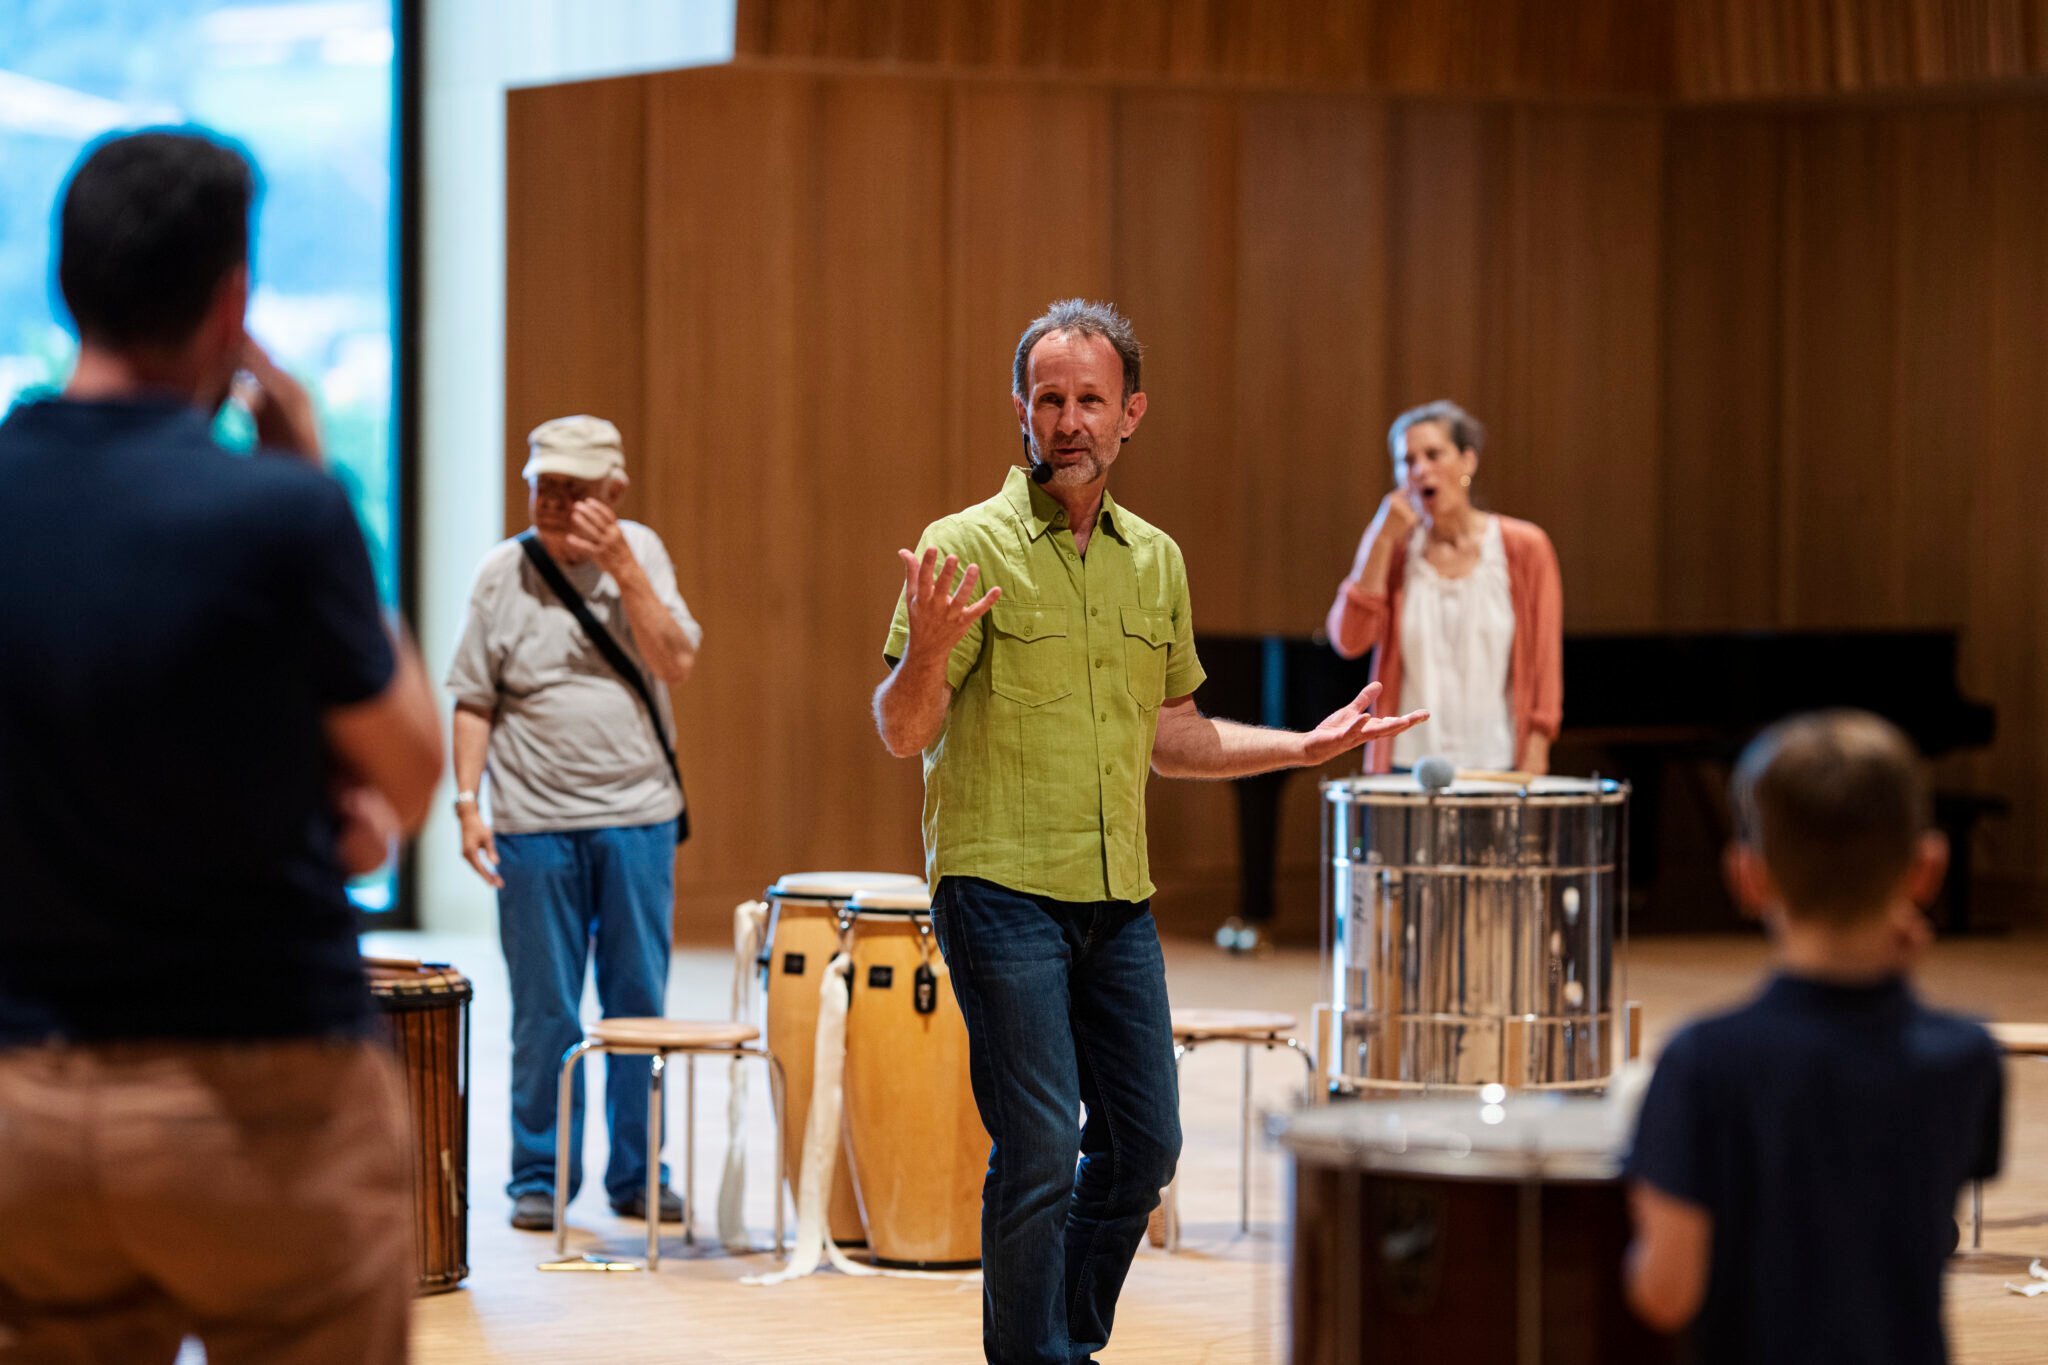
x,y
563,892
1065,1005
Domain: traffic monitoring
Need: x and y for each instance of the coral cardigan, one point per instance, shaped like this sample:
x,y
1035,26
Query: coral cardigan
x,y
1360,620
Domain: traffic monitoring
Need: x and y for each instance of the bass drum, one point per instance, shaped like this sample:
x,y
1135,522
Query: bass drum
x,y
1462,1233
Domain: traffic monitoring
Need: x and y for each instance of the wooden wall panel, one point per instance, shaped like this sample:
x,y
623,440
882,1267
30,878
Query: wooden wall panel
x,y
730,197
873,457
1575,443
1750,368
1303,466
572,337
1029,204
1748,49
1836,441
1723,237
2007,658
1466,47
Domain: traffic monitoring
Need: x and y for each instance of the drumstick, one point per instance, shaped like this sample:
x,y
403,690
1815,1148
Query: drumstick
x,y
1520,779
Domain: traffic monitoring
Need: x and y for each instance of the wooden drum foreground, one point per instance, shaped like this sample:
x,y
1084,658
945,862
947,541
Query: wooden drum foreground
x,y
919,1150
425,1011
803,936
1462,1233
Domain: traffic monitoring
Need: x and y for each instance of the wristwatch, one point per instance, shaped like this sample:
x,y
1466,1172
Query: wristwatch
x,y
464,799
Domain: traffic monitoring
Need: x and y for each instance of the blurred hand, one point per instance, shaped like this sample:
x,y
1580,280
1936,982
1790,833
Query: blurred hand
x,y
366,826
480,846
282,408
594,534
1397,515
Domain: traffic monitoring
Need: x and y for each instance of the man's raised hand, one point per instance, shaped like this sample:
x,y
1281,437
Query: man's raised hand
x,y
939,619
1354,724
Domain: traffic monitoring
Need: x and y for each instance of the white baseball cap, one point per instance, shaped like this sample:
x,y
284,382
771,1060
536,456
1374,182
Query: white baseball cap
x,y
580,447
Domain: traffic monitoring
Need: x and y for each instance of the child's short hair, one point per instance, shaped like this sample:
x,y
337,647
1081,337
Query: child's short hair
x,y
1834,801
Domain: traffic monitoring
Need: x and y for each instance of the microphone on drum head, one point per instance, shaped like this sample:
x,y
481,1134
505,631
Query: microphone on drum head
x,y
1436,773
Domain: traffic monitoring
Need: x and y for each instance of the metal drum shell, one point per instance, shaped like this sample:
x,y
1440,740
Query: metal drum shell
x,y
1474,932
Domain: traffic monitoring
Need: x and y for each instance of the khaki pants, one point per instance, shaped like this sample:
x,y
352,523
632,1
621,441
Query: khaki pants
x,y
252,1194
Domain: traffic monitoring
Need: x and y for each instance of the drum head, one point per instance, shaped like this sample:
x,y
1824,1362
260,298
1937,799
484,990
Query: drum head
x,y
1403,789
1555,1137
839,886
906,902
396,979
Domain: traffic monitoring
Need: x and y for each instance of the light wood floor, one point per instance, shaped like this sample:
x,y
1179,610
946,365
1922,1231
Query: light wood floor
x,y
1221,1299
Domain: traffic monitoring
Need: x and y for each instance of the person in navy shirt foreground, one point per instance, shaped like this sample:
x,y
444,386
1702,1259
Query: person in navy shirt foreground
x,y
1797,1160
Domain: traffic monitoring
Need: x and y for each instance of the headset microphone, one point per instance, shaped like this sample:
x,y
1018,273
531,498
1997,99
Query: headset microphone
x,y
1042,472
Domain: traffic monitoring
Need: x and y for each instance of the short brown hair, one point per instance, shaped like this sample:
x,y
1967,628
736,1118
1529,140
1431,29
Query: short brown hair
x,y
1089,319
1834,801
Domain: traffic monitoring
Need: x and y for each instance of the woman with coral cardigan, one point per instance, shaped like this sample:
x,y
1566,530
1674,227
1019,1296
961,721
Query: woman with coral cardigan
x,y
1463,608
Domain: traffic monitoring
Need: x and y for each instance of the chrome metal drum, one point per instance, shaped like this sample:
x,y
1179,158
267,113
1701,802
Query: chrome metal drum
x,y
1460,1231
1473,933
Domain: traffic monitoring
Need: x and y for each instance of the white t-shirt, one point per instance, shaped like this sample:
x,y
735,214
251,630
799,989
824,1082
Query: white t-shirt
x,y
1456,638
571,745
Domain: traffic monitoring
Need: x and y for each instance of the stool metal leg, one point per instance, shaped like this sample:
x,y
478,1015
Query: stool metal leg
x,y
1976,1214
776,1085
1172,1195
565,1090
1244,1145
655,1074
690,1148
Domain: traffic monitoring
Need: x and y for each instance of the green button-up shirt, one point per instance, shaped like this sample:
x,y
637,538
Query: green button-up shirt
x,y
1038,780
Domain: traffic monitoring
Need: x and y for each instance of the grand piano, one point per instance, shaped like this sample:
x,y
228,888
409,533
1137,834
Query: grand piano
x,y
1667,711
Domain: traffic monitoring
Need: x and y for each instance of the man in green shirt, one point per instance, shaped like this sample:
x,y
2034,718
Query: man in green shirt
x,y
1039,707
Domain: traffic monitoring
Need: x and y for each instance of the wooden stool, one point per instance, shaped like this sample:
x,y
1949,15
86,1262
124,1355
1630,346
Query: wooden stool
x,y
1249,1029
658,1039
2014,1040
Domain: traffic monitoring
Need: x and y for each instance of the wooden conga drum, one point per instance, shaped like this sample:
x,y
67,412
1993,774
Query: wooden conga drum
x,y
803,934
425,1011
919,1150
1462,1233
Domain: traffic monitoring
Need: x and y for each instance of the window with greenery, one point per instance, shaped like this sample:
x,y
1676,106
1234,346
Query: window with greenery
x,y
309,87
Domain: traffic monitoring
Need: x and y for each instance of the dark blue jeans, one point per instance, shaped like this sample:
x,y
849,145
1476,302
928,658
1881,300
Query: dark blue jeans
x,y
1065,1005
614,888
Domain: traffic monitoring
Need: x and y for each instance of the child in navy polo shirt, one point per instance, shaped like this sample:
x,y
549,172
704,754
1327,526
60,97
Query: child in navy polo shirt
x,y
1797,1160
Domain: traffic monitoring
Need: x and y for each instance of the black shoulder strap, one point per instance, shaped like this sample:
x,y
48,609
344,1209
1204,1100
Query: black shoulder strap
x,y
614,654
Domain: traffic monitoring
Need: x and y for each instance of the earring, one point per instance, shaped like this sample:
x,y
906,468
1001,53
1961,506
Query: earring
x,y
1464,481
1125,440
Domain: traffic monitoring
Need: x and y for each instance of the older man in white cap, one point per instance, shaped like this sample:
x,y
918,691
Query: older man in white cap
x,y
575,627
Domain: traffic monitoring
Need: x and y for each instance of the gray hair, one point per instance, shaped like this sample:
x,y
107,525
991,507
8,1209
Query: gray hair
x,y
1465,431
1089,319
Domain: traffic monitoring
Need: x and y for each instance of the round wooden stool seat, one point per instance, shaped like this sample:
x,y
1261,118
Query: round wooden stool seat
x,y
672,1033
2021,1039
1199,1025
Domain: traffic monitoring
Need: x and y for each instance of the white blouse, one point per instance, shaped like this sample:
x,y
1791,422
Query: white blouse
x,y
1456,637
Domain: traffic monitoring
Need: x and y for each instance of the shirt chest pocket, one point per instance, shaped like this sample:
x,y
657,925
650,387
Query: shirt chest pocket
x,y
1029,662
1148,635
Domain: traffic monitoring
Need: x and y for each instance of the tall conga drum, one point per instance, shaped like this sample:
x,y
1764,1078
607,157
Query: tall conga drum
x,y
919,1150
1474,933
804,932
425,1011
1462,1232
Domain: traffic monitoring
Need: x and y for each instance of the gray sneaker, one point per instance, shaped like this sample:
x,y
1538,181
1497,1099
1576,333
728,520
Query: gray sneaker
x,y
534,1211
635,1206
